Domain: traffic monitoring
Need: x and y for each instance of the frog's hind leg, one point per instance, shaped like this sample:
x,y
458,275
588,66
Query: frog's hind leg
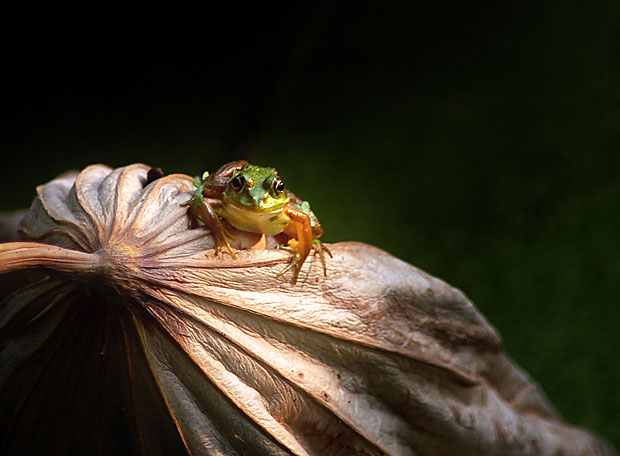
x,y
301,243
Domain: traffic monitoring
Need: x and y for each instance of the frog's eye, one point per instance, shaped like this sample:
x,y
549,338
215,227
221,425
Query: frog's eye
x,y
278,186
237,183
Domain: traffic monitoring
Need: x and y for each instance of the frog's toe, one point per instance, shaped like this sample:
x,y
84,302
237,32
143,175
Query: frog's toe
x,y
319,248
294,262
227,233
221,243
227,248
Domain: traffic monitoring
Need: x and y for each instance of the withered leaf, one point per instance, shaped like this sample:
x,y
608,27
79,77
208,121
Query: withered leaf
x,y
123,333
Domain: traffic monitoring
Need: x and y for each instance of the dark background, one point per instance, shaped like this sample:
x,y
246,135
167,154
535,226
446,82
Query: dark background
x,y
478,142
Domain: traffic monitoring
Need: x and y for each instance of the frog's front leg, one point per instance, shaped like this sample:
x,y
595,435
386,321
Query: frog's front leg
x,y
206,211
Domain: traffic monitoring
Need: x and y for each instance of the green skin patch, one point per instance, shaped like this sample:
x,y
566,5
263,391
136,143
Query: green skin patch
x,y
257,189
197,195
305,208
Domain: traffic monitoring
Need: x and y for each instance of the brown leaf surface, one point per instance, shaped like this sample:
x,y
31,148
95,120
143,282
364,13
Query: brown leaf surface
x,y
123,333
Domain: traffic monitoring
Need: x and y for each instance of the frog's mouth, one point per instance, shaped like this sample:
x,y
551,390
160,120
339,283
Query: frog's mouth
x,y
256,221
256,207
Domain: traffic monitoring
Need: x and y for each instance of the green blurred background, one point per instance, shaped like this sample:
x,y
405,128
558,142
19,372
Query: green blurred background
x,y
477,142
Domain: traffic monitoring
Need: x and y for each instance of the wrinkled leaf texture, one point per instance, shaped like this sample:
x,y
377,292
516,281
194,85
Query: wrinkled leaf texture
x,y
122,333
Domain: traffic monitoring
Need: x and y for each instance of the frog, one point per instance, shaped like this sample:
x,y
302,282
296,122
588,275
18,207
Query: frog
x,y
255,199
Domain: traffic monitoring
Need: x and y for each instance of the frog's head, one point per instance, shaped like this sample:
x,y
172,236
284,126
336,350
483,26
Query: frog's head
x,y
256,188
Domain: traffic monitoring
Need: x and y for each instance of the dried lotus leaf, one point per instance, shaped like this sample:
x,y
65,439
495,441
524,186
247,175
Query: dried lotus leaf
x,y
125,334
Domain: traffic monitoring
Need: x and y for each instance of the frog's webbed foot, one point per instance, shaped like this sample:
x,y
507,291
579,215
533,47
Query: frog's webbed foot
x,y
297,259
295,262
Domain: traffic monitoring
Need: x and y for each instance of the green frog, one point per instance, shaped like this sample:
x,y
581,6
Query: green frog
x,y
255,199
